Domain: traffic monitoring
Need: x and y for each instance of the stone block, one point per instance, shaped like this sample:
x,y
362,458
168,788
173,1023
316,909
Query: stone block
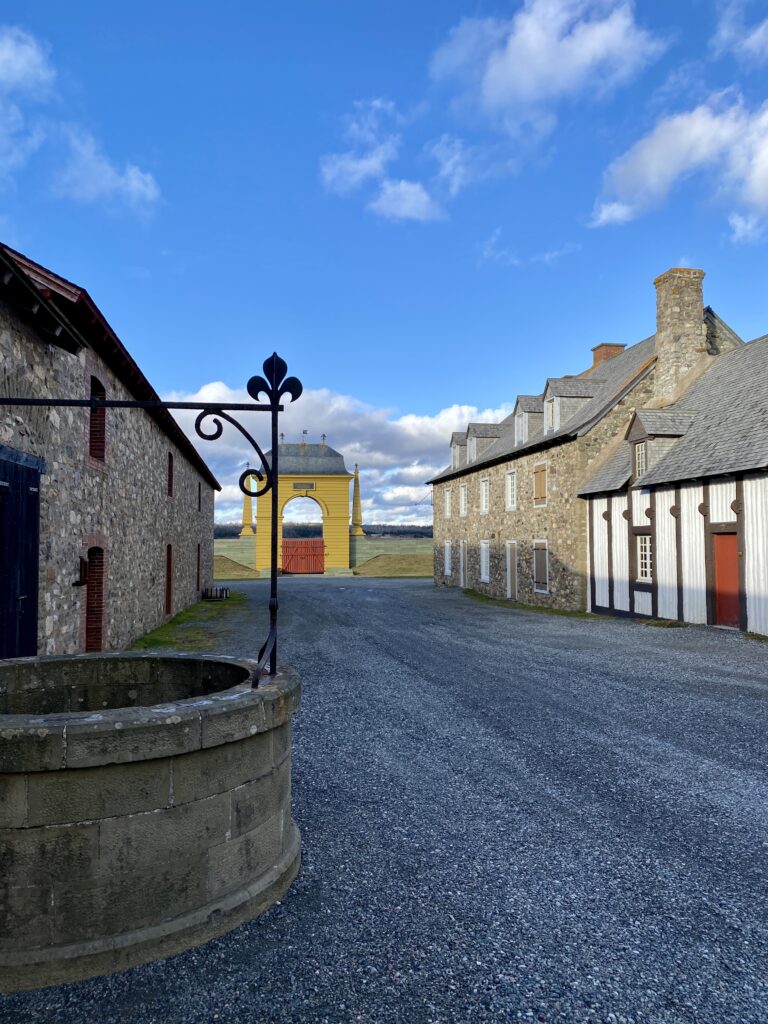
x,y
102,792
231,717
24,916
35,745
132,847
255,802
48,853
13,801
281,744
241,859
217,769
138,734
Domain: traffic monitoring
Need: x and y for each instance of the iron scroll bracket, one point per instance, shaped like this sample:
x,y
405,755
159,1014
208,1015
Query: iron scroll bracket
x,y
274,386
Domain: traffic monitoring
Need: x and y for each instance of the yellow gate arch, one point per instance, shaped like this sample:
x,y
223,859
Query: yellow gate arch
x,y
310,471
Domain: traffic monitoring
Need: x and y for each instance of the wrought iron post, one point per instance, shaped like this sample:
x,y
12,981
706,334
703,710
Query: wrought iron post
x,y
274,385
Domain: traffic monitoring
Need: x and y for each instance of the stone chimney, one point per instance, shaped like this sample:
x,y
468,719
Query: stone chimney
x,y
605,351
681,334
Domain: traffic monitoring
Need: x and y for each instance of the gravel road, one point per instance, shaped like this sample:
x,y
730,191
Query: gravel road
x,y
506,816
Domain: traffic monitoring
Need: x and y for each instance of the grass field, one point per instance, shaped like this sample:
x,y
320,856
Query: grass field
x,y
396,566
192,629
234,559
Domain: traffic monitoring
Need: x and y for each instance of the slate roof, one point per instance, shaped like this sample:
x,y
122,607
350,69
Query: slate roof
x,y
529,403
484,429
665,422
729,432
574,387
308,460
459,437
722,423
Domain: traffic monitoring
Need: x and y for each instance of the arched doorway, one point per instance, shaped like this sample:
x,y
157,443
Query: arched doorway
x,y
303,548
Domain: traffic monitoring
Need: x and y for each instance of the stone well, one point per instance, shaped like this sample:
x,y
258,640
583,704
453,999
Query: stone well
x,y
145,807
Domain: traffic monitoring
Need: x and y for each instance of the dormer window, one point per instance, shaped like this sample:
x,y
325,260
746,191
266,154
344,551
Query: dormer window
x,y
641,458
521,428
550,414
471,449
455,457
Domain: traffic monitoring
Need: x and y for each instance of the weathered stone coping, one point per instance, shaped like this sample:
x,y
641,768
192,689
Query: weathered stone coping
x,y
81,739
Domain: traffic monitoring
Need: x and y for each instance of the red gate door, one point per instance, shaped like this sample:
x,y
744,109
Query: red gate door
x,y
303,556
726,579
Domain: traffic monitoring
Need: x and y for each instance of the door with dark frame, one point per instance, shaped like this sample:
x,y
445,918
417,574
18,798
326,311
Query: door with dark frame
x,y
726,579
19,558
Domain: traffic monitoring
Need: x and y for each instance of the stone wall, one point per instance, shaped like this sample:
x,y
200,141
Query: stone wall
x,y
121,504
562,522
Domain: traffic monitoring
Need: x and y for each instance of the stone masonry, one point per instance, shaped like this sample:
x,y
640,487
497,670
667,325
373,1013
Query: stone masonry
x,y
120,504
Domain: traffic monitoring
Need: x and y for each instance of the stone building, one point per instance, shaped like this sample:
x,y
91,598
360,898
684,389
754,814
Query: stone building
x,y
106,516
508,518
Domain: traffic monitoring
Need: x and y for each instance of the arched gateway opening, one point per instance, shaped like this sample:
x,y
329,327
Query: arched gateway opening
x,y
303,547
316,472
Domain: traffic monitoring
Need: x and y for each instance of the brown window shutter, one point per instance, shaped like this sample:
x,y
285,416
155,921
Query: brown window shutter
x,y
170,474
540,565
540,483
168,579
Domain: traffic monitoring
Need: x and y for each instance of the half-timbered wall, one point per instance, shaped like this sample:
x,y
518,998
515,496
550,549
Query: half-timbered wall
x,y
682,522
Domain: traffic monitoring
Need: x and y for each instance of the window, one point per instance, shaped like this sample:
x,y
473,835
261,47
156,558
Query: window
x,y
168,579
644,559
471,449
455,456
97,425
198,566
641,458
485,495
447,500
447,558
485,561
199,499
540,567
463,500
94,601
170,474
510,490
521,431
550,414
540,484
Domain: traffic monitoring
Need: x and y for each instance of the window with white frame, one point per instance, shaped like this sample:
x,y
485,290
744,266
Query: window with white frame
x,y
485,561
471,449
447,506
550,414
447,558
462,499
510,490
644,559
540,567
485,495
641,458
521,428
455,456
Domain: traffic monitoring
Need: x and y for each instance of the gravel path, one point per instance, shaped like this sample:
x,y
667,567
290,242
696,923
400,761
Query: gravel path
x,y
506,816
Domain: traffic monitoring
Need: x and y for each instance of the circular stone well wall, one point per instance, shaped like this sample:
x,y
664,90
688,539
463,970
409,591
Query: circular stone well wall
x,y
145,807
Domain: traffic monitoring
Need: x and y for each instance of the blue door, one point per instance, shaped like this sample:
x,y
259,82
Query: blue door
x,y
19,554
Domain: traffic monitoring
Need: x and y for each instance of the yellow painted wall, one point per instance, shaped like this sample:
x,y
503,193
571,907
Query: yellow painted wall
x,y
332,495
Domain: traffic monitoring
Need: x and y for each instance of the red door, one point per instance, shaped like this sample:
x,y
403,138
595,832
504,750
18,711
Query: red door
x,y
303,556
726,552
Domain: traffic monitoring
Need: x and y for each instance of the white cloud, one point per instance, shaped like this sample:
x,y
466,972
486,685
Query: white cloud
x,y
405,200
746,228
750,42
518,69
396,453
454,162
344,172
375,146
720,136
90,177
24,64
492,251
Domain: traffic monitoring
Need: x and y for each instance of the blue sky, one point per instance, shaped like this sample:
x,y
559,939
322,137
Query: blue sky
x,y
425,208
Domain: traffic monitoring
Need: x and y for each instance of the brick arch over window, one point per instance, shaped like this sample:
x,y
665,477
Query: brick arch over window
x,y
97,425
94,601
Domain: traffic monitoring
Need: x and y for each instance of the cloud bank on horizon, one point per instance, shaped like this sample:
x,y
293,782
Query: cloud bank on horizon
x,y
396,452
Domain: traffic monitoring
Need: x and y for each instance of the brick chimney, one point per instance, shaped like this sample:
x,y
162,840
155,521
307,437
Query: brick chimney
x,y
605,351
681,337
